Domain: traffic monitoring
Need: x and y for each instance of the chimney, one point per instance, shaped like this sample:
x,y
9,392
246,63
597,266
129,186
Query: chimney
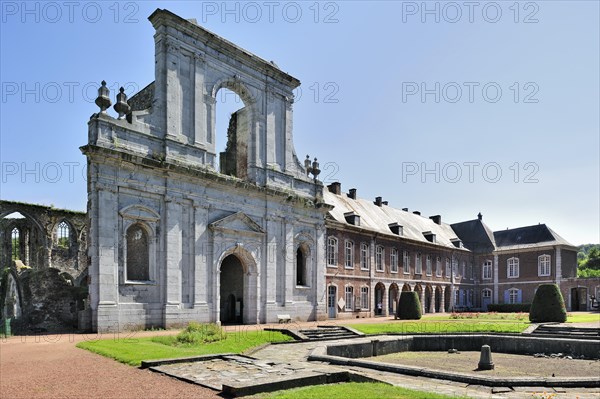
x,y
378,201
352,193
405,209
479,216
437,219
335,188
384,202
417,213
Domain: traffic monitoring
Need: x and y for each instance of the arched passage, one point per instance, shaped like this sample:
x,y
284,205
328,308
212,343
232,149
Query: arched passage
x,y
447,299
438,299
406,287
419,290
428,298
379,294
232,290
393,298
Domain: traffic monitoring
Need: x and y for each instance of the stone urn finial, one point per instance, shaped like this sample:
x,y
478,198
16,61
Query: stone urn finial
x,y
315,168
103,99
121,105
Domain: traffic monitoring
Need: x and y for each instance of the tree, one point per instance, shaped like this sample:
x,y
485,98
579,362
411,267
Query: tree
x,y
409,306
548,305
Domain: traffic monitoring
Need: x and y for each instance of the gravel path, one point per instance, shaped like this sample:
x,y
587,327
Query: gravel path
x,y
54,368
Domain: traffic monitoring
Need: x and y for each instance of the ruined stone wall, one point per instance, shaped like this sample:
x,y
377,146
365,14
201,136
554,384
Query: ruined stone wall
x,y
44,270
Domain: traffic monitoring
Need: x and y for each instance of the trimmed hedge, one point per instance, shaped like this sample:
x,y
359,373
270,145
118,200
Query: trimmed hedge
x,y
409,306
548,305
508,307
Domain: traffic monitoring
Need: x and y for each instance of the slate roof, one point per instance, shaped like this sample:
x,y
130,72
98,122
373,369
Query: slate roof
x,y
377,218
528,237
475,235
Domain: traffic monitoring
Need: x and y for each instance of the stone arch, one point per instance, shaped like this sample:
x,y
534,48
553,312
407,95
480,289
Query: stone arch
x,y
34,249
448,299
304,258
234,155
406,287
421,292
245,266
11,303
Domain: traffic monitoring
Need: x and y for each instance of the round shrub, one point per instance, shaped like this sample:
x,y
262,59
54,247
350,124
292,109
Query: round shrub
x,y
548,305
409,306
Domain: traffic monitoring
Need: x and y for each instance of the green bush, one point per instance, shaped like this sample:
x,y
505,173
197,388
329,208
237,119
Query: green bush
x,y
509,307
548,305
409,306
200,333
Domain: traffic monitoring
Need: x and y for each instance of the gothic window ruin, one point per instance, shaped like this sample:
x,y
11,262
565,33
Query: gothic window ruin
x,y
16,243
63,235
138,262
300,267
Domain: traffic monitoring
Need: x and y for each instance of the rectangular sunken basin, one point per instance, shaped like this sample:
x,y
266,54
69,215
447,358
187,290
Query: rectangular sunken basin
x,y
379,353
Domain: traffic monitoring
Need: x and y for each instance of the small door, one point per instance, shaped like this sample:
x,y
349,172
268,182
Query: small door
x,y
332,301
486,299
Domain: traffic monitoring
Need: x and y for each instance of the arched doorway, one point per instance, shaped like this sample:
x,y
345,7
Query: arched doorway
x,y
232,290
406,287
379,293
428,298
332,301
438,299
447,299
393,298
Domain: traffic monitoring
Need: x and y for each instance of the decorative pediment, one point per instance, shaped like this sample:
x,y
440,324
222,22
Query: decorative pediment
x,y
139,212
237,223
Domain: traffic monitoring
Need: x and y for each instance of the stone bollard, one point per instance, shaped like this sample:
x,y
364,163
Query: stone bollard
x,y
485,360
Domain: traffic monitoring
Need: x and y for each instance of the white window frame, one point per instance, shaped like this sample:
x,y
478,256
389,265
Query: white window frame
x,y
486,293
438,266
406,262
364,256
349,298
513,295
454,266
428,266
349,254
332,252
394,260
364,298
418,263
486,270
512,267
544,265
448,268
380,259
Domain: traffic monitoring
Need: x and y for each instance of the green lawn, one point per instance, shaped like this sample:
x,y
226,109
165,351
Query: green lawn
x,y
351,390
133,350
584,317
439,327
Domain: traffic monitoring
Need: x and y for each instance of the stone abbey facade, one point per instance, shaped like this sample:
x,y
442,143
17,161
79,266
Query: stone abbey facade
x,y
176,231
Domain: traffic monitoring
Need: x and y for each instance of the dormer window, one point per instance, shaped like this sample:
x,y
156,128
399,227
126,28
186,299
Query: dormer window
x,y
396,229
456,242
352,218
429,236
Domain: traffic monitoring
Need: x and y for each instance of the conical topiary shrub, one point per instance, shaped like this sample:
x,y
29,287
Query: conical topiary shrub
x,y
548,305
409,306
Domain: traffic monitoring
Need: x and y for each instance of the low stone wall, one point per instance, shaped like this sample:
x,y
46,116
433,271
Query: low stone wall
x,y
513,344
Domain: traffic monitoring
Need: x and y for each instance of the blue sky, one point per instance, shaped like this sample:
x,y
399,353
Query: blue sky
x,y
448,108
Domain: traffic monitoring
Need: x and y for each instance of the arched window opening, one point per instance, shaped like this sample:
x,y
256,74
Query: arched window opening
x,y
300,267
231,126
138,262
16,243
63,235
